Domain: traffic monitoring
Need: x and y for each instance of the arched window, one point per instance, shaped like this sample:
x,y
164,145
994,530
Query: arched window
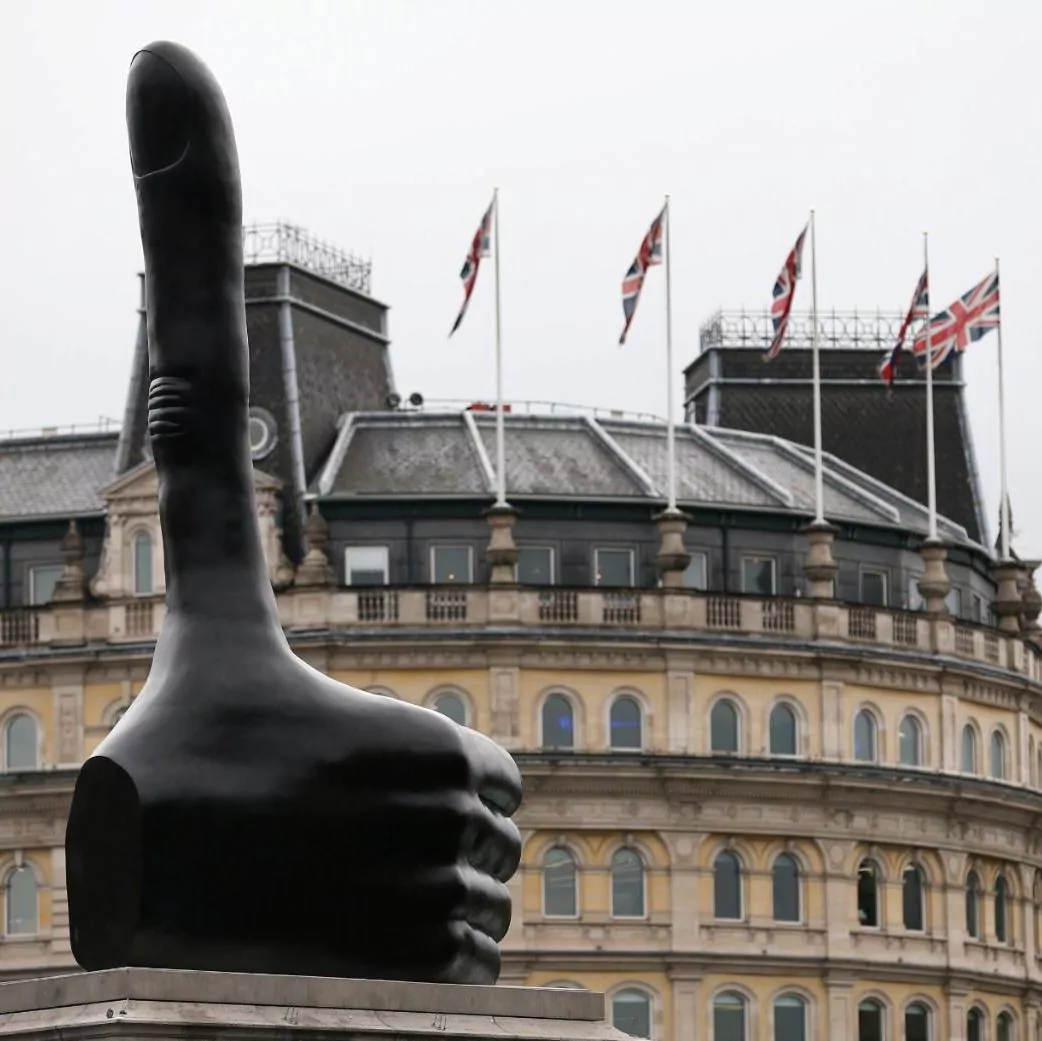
x,y
865,737
912,898
917,1022
974,1025
20,743
627,884
631,1012
1002,909
143,568
727,886
785,879
1004,1027
729,1017
452,706
558,722
911,742
783,730
559,889
22,902
870,1020
1038,768
790,1018
973,905
997,766
969,750
626,724
868,894
723,727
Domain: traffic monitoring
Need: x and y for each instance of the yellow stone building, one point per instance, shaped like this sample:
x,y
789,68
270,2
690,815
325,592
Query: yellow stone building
x,y
770,796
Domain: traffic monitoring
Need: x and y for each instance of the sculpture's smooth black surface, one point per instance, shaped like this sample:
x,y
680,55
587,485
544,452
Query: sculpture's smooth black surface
x,y
248,813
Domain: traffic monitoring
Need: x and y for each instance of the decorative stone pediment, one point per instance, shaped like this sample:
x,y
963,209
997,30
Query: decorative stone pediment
x,y
132,553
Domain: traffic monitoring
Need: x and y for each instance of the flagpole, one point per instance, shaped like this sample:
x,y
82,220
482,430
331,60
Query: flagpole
x,y
819,480
671,445
931,461
501,467
1004,490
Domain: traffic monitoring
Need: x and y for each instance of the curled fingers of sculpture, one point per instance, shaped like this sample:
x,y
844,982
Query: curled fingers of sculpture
x,y
491,842
478,959
496,776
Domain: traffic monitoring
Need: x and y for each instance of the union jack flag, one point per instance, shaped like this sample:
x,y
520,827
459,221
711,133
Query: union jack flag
x,y
971,316
650,253
784,289
920,309
480,246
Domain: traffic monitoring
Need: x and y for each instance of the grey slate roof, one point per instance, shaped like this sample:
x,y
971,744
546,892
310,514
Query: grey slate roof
x,y
56,476
421,454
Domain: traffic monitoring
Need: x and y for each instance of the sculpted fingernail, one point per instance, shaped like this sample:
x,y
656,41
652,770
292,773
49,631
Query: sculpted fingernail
x,y
157,114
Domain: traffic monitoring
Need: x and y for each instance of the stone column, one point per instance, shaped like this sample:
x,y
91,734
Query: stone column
x,y
1007,605
70,586
672,558
840,1018
820,567
501,553
935,585
284,572
314,570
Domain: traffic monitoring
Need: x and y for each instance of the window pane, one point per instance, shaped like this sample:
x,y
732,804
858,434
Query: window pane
x,y
973,1026
969,750
1004,1027
867,895
142,563
729,1018
453,706
627,884
873,588
625,723
998,756
723,727
367,565
972,905
42,581
20,750
977,613
535,566
559,896
870,1021
786,881
909,741
912,898
631,1013
917,1023
21,901
1001,913
790,1019
758,575
451,565
558,722
695,574
865,737
915,600
953,601
783,730
614,567
727,894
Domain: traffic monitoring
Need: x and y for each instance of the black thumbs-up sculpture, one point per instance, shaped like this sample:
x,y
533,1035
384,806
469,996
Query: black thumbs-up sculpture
x,y
249,814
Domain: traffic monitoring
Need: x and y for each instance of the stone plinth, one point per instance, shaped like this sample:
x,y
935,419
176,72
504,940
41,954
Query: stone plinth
x,y
171,1004
501,553
820,566
672,558
1008,604
934,585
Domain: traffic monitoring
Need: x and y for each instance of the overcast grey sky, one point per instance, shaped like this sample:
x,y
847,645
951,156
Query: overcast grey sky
x,y
384,125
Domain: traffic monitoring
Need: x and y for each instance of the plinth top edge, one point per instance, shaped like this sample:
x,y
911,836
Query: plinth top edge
x,y
234,988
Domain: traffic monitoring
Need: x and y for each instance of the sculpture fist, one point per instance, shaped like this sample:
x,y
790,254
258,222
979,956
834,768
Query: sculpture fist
x,y
248,813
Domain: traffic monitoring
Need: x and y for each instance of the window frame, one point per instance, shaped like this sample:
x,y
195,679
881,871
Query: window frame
x,y
612,913
17,869
741,1002
760,558
34,601
698,554
553,563
608,548
139,535
629,988
1003,746
576,887
921,896
972,893
796,999
740,917
798,920
435,546
367,546
438,695
571,702
788,706
879,1008
880,572
1003,935
733,703
877,879
929,1018
873,719
5,735
972,731
625,695
920,742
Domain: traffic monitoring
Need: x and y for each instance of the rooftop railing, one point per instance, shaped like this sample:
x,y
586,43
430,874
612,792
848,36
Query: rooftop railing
x,y
701,616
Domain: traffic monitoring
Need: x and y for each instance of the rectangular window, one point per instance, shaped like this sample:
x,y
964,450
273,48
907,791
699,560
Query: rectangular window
x,y
978,609
451,565
535,565
758,575
613,567
42,581
367,565
953,601
695,574
915,600
873,587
